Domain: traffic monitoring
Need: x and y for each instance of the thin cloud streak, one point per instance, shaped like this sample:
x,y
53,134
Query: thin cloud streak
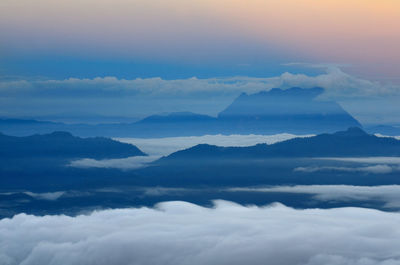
x,y
376,169
389,194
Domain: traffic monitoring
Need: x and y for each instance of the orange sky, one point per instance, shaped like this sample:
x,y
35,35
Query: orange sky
x,y
362,33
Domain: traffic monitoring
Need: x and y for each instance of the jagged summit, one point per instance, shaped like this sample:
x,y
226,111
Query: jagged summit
x,y
281,102
293,110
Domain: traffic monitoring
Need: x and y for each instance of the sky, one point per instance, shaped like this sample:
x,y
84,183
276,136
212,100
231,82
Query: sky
x,y
122,60
86,40
225,35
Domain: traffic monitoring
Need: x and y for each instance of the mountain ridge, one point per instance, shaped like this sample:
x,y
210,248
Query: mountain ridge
x,y
352,142
65,145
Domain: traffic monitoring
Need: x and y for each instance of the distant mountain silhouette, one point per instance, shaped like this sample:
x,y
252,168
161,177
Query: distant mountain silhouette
x,y
294,110
175,117
64,145
353,142
24,127
175,124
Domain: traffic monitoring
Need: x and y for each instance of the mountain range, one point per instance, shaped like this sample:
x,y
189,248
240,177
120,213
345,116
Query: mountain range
x,y
39,166
353,142
294,110
323,159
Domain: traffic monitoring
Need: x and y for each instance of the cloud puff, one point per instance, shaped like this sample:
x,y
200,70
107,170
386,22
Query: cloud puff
x,y
389,194
182,233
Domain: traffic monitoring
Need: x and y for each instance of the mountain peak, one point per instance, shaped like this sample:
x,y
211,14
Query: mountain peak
x,y
294,110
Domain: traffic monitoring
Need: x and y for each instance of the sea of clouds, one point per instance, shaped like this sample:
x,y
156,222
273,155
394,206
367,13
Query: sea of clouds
x,y
182,233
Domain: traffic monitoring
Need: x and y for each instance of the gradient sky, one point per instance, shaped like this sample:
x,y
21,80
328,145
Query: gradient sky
x,y
114,50
181,38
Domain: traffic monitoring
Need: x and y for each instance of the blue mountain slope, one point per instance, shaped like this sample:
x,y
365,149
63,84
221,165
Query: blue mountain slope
x,y
353,143
64,145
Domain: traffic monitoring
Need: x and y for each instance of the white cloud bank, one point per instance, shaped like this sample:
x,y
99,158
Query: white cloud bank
x,y
337,83
179,233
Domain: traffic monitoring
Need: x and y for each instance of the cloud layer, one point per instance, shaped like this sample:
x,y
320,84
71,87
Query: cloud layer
x,y
337,83
182,233
370,165
376,169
